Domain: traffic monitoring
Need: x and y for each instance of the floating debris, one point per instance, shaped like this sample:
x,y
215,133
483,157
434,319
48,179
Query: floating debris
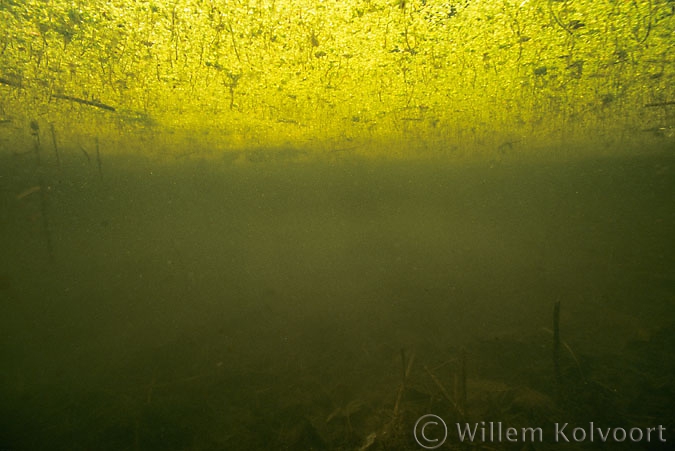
x,y
28,192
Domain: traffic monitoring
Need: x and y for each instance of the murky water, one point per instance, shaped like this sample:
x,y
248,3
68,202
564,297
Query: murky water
x,y
273,305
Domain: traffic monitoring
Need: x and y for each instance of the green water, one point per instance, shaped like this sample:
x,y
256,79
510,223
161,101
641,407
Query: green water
x,y
275,305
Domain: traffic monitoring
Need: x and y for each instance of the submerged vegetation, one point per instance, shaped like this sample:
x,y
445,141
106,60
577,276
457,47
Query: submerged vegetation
x,y
481,75
328,307
230,300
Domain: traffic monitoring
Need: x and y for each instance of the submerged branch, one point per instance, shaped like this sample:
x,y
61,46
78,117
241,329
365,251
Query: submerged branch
x,y
671,102
5,81
93,103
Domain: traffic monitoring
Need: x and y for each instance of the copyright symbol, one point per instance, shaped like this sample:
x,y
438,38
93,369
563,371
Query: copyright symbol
x,y
425,431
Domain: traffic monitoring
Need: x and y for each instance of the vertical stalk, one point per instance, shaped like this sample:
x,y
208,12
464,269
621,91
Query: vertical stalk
x,y
35,131
98,160
462,384
556,340
56,148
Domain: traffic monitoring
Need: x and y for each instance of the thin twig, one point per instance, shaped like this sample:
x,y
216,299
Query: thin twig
x,y
570,351
93,103
444,392
650,105
406,366
556,340
56,148
98,160
35,131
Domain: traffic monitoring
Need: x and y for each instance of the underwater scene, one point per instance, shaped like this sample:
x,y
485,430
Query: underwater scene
x,y
337,225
